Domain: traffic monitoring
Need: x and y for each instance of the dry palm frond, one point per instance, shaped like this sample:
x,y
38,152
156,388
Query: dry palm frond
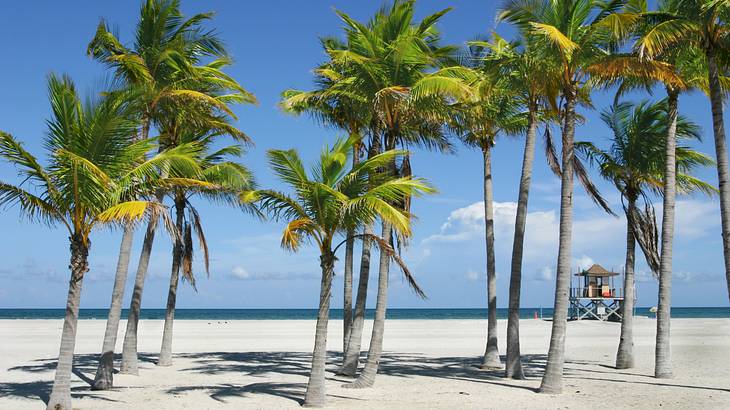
x,y
646,233
186,262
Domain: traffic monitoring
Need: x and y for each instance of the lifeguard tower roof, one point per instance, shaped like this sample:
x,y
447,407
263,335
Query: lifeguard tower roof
x,y
597,271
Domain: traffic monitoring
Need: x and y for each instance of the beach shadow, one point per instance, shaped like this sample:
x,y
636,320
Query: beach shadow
x,y
658,383
30,390
270,364
83,366
41,390
222,392
254,363
259,364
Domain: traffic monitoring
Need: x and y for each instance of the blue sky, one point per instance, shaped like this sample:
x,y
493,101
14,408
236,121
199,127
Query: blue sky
x,y
275,46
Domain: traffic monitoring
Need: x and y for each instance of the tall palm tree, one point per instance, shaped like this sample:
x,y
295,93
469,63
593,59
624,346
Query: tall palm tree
x,y
93,170
384,60
331,103
572,34
677,69
330,202
225,181
635,164
530,81
701,24
491,110
160,70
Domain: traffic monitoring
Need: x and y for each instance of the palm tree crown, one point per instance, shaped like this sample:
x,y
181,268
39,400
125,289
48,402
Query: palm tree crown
x,y
334,199
634,163
95,169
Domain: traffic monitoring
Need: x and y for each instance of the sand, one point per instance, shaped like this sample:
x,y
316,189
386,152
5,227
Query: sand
x,y
428,364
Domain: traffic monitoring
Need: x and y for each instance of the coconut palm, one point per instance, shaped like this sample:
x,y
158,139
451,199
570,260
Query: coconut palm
x,y
678,69
333,201
674,70
93,170
491,110
572,34
384,60
332,104
160,70
225,179
700,24
529,80
634,164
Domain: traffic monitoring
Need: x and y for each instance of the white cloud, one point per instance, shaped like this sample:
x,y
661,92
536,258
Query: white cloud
x,y
597,238
541,235
643,276
694,218
545,274
472,275
695,276
584,262
240,273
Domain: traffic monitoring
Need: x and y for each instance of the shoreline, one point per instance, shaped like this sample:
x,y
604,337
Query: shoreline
x,y
311,314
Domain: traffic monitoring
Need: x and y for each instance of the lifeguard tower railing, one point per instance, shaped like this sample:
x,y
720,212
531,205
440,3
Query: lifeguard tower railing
x,y
596,292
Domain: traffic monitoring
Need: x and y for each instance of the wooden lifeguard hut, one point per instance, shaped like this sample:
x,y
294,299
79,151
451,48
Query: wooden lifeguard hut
x,y
594,296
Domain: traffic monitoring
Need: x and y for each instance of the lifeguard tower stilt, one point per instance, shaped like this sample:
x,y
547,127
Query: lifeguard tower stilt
x,y
595,296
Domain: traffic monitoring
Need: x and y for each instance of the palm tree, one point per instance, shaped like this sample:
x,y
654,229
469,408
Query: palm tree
x,y
492,110
677,69
335,200
157,73
572,34
225,181
332,104
93,169
635,165
384,60
701,24
529,79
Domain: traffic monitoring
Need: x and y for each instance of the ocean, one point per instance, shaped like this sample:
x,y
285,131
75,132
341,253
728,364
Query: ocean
x,y
309,314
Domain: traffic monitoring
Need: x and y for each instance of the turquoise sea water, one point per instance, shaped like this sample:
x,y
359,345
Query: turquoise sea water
x,y
308,314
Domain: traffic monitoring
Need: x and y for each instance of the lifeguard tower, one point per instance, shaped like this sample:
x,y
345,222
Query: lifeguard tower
x,y
594,296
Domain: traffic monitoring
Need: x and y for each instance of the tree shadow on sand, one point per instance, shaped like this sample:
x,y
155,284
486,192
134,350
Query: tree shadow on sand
x,y
41,390
84,368
270,364
222,392
84,364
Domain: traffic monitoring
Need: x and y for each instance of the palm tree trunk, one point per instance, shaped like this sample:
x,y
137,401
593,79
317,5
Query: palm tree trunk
x,y
625,353
663,364
104,379
315,396
347,277
60,398
347,291
491,354
367,377
513,367
166,349
552,380
723,173
129,349
354,344
351,357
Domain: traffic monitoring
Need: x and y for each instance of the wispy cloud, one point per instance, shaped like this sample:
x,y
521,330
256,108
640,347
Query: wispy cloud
x,y
240,273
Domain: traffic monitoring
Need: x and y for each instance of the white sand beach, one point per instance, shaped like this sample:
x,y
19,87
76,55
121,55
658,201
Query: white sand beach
x,y
428,364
